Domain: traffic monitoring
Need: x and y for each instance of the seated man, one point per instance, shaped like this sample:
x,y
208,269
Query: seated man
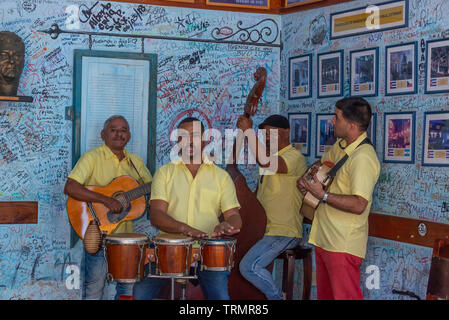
x,y
281,201
99,167
188,197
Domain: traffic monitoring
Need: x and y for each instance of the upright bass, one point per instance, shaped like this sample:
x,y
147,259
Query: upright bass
x,y
254,219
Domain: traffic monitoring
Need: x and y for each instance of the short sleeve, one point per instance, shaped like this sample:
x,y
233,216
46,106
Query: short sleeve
x,y
363,176
296,163
332,154
83,169
159,185
228,199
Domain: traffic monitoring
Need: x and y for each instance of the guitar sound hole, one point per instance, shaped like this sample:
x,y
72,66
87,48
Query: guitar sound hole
x,y
116,217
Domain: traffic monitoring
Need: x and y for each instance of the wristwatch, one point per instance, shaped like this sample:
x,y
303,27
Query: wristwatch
x,y
326,194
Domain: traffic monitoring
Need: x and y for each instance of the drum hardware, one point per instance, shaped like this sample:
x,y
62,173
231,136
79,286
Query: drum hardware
x,y
212,255
122,247
173,255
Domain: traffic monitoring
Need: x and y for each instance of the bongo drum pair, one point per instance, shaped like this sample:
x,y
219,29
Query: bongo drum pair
x,y
173,254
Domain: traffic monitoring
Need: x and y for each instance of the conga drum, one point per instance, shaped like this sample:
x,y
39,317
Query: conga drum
x,y
217,254
125,255
173,254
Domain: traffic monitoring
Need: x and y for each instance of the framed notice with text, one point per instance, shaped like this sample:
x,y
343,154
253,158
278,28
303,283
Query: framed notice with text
x,y
110,83
371,18
399,137
436,139
255,4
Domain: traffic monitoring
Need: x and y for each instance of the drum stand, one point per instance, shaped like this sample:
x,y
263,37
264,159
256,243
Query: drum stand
x,y
182,279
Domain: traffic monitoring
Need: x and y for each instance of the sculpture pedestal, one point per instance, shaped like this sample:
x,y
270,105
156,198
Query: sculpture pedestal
x,y
16,98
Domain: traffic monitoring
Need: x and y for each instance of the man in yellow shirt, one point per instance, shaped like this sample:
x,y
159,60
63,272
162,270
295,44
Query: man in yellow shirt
x,y
98,167
188,196
340,226
277,193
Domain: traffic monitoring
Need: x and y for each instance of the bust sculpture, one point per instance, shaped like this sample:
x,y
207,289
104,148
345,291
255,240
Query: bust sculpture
x,y
12,58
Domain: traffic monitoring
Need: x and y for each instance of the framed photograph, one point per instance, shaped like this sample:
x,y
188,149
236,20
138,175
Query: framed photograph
x,y
401,69
364,73
370,18
371,132
436,139
437,66
300,131
399,137
300,77
325,137
330,74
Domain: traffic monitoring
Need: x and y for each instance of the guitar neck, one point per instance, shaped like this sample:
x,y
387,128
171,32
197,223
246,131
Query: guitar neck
x,y
138,192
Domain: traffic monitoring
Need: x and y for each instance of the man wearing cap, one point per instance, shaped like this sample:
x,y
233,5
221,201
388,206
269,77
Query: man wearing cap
x,y
279,170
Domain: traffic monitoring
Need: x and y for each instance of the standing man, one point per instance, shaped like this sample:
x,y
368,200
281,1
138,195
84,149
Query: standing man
x,y
340,226
99,167
188,196
277,193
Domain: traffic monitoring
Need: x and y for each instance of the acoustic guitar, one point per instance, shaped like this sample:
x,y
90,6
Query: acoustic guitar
x,y
124,189
310,203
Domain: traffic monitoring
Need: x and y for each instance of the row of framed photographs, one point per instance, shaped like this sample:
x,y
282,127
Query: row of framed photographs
x,y
400,71
399,136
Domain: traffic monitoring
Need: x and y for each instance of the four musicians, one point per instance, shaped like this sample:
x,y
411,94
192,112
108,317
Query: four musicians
x,y
194,197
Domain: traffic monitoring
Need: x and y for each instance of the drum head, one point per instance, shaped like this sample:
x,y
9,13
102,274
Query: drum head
x,y
172,238
126,238
218,241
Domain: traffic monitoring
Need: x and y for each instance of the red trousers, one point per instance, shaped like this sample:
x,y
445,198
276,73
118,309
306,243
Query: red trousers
x,y
337,275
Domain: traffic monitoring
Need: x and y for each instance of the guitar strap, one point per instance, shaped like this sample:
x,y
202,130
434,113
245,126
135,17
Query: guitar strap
x,y
332,172
140,180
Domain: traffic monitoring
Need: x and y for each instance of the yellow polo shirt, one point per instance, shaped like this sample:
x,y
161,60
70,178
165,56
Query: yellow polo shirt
x,y
279,196
99,166
336,230
197,201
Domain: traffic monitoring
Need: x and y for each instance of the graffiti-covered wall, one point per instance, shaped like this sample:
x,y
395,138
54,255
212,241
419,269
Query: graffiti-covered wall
x,y
208,80
405,190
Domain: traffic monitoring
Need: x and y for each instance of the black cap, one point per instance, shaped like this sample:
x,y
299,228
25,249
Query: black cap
x,y
275,120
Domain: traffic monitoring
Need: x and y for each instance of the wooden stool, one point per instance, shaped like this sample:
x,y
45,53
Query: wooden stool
x,y
288,273
438,283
